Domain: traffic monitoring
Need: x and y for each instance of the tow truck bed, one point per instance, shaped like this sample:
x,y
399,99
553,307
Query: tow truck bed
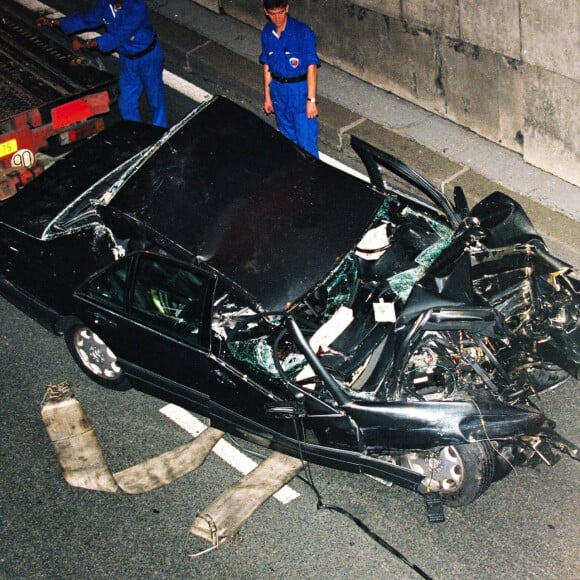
x,y
46,90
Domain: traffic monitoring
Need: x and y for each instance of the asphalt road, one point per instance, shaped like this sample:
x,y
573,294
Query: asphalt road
x,y
525,526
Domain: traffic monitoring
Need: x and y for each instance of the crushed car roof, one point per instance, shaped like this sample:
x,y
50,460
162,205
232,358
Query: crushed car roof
x,y
233,192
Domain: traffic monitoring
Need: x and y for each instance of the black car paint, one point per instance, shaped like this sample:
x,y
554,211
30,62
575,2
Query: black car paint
x,y
237,202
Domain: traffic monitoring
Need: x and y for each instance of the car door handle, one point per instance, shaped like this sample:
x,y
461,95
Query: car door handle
x,y
102,320
224,379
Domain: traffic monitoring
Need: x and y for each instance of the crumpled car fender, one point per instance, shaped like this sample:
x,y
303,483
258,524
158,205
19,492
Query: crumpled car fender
x,y
426,424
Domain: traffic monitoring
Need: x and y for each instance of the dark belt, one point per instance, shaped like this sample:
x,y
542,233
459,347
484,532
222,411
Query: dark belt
x,y
288,79
143,52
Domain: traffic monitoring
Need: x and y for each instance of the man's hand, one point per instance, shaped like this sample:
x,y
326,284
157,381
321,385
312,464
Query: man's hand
x,y
45,21
268,106
78,44
311,110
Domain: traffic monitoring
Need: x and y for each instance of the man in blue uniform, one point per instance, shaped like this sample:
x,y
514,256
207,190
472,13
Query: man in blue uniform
x,y
130,33
290,66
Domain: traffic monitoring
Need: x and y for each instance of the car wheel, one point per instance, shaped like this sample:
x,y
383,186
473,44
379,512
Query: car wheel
x,y
94,357
469,471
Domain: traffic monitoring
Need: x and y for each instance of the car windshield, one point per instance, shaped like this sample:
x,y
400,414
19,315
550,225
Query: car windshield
x,y
328,305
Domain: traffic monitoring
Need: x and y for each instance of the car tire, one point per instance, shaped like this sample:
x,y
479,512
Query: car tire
x,y
473,472
94,357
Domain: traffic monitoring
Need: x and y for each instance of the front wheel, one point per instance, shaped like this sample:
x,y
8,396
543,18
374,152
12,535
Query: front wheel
x,y
94,357
460,473
471,470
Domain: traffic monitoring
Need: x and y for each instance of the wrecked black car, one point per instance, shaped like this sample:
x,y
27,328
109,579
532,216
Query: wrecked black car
x,y
370,327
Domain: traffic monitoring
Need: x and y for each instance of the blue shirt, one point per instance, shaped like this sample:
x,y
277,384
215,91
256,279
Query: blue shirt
x,y
129,29
292,53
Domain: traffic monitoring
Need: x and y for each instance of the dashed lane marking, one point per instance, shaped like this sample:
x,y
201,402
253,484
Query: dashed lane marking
x,y
223,449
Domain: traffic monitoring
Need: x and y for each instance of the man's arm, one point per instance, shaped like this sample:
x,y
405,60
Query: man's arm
x,y
268,105
312,81
90,19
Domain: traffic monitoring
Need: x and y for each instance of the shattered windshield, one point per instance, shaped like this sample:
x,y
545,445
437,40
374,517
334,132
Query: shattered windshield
x,y
412,246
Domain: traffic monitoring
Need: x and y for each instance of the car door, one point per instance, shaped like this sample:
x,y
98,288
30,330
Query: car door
x,y
153,313
48,270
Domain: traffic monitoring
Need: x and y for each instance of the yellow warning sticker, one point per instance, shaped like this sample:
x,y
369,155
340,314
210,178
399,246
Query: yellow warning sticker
x,y
8,147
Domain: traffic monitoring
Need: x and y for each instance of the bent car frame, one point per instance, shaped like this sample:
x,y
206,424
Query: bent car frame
x,y
375,327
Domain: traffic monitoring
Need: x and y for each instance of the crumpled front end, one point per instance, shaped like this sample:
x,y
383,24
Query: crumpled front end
x,y
426,346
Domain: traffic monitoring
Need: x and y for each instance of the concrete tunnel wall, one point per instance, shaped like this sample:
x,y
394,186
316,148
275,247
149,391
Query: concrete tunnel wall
x,y
508,70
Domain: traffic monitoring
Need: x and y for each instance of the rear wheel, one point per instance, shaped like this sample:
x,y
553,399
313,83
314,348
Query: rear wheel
x,y
94,357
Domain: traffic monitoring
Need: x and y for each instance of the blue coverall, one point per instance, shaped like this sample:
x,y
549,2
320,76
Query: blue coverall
x,y
130,33
289,57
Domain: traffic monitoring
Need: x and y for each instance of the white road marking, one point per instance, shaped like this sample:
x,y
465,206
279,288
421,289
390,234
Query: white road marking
x,y
185,87
223,449
339,165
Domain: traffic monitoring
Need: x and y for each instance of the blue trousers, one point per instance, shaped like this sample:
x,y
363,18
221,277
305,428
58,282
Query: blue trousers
x,y
138,75
289,101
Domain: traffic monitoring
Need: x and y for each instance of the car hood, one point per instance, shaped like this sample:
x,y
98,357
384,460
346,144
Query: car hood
x,y
250,204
